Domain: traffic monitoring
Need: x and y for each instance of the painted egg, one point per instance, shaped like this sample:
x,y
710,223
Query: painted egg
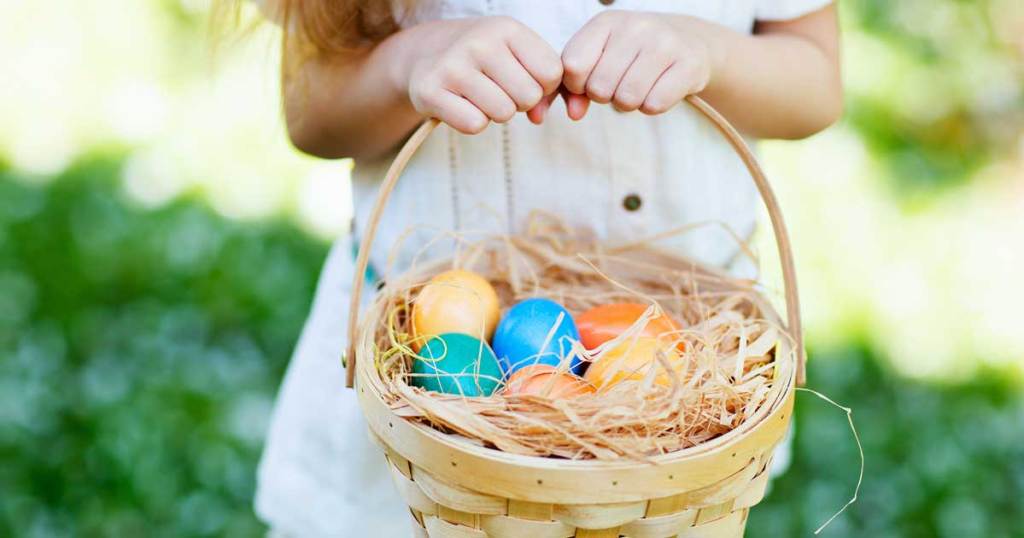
x,y
546,380
536,331
631,360
455,301
455,363
603,323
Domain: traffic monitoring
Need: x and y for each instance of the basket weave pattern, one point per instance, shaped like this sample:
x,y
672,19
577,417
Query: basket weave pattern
x,y
457,489
442,510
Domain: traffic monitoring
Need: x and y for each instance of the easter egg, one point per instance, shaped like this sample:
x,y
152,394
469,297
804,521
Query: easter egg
x,y
631,360
536,331
603,323
545,380
455,363
455,301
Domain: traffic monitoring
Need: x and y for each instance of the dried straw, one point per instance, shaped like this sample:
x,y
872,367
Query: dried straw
x,y
730,342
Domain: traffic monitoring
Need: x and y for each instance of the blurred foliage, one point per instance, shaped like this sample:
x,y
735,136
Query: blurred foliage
x,y
140,355
936,87
141,351
941,461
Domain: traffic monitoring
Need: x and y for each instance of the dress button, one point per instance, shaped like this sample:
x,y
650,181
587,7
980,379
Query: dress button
x,y
632,202
606,2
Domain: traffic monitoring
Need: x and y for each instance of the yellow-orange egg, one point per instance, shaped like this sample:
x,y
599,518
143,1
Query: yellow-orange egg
x,y
546,380
455,301
631,360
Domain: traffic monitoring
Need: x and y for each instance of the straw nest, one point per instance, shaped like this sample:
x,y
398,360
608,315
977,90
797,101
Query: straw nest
x,y
731,340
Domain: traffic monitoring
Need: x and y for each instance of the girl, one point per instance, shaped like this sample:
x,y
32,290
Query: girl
x,y
360,75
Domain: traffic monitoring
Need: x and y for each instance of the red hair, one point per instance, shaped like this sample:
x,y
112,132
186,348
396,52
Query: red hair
x,y
324,28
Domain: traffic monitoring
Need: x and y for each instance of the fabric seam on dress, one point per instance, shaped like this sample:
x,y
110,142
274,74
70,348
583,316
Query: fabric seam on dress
x,y
660,172
613,184
505,160
507,164
453,173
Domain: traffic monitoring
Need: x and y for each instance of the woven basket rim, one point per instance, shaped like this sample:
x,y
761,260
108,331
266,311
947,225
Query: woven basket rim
x,y
554,480
785,371
459,443
520,476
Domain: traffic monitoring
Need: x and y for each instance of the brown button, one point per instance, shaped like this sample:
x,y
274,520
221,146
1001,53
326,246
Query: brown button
x,y
606,2
632,202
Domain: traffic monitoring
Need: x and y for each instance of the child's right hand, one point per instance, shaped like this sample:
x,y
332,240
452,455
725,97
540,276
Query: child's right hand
x,y
470,72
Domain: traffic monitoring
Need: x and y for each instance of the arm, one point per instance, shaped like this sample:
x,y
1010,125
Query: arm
x,y
345,107
781,82
466,72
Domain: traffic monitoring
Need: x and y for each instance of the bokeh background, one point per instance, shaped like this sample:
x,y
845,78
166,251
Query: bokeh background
x,y
160,241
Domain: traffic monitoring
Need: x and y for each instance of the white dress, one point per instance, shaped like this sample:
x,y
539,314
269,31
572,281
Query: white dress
x,y
621,175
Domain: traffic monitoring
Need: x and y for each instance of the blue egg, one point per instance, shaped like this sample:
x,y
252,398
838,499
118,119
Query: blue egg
x,y
455,363
520,337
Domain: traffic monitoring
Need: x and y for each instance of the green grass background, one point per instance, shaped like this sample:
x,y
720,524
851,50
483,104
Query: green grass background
x,y
141,349
145,324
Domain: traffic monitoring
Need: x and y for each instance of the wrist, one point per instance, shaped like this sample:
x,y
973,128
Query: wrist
x,y
409,48
400,57
714,41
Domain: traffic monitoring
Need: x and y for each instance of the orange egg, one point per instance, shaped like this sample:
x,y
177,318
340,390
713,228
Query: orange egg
x,y
602,323
455,301
546,380
631,360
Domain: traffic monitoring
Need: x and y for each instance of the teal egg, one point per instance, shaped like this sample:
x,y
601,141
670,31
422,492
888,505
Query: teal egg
x,y
455,363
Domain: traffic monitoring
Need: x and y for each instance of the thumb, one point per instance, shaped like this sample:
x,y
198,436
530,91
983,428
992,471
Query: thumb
x,y
537,113
576,104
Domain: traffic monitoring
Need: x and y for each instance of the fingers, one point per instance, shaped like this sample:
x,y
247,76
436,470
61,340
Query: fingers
x,y
675,83
576,105
581,55
487,96
493,68
636,69
500,67
536,114
454,110
635,61
538,58
639,80
519,70
618,56
505,70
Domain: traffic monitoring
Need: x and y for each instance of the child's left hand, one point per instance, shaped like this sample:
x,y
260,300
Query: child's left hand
x,y
636,61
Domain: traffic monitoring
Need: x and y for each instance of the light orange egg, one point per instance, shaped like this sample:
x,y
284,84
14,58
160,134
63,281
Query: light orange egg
x,y
455,301
631,360
602,323
546,380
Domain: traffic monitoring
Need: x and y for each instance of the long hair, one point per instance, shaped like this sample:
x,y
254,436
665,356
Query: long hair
x,y
321,28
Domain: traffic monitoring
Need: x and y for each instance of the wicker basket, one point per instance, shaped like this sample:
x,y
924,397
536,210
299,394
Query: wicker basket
x,y
456,489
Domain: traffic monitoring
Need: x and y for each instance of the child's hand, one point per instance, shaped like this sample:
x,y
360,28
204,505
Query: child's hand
x,y
636,60
479,70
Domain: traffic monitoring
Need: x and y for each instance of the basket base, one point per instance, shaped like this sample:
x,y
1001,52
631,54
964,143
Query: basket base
x,y
445,511
731,525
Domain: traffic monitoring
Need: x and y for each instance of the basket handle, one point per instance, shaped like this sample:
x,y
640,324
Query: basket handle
x,y
724,127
